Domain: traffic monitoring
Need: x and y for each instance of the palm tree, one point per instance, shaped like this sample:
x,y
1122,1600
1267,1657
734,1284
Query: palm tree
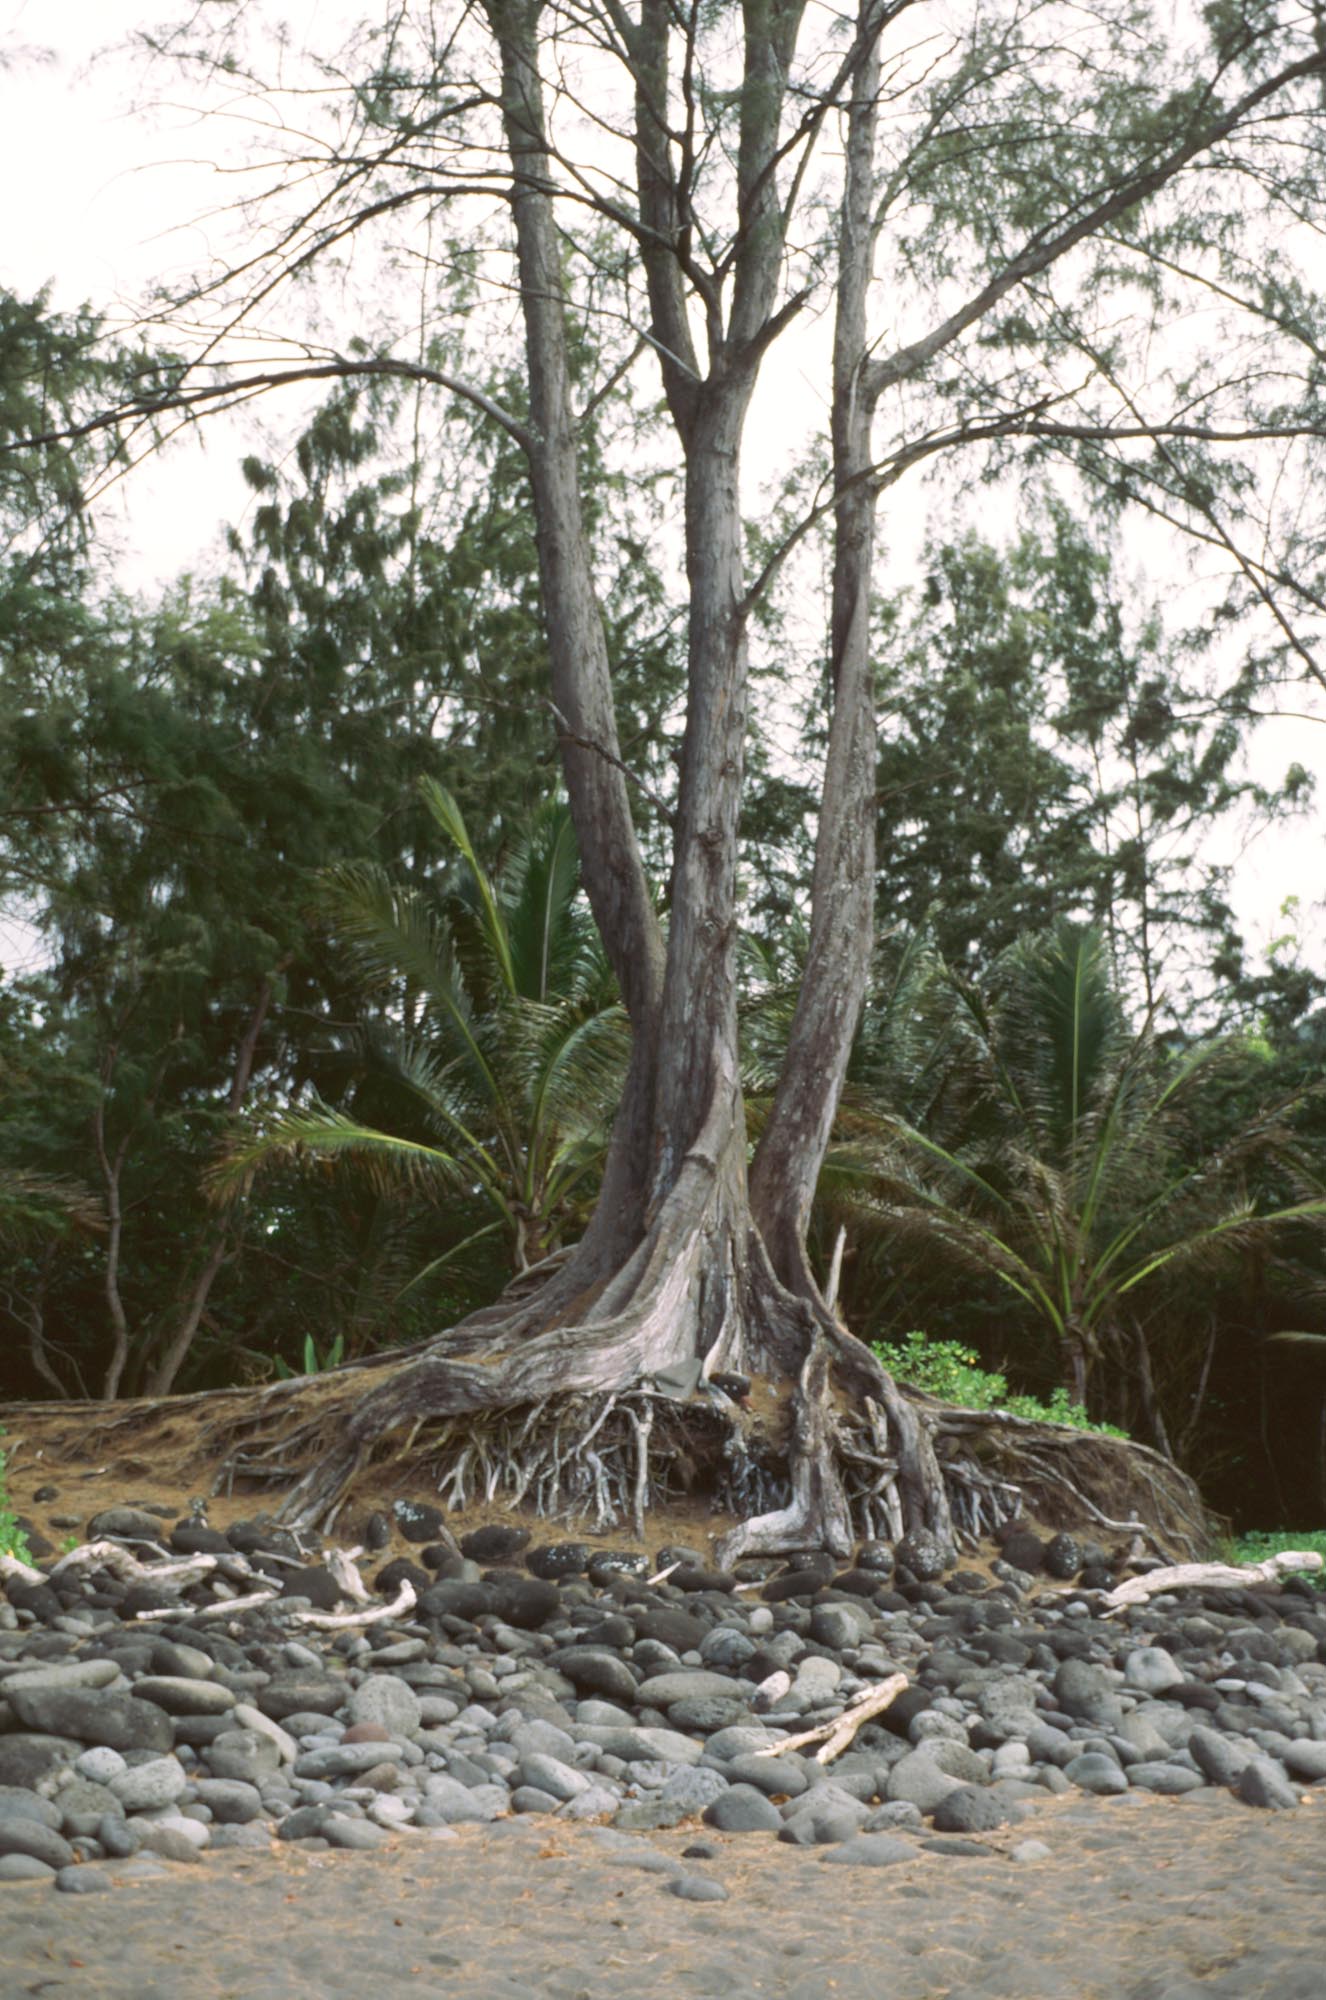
x,y
487,1083
1054,1147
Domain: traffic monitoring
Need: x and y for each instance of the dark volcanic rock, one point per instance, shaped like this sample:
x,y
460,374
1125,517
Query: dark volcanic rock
x,y
38,1598
909,1703
420,1522
93,1715
317,1584
27,1756
129,1524
558,1559
676,1628
692,1580
393,1574
305,1693
494,1544
968,1810
1064,1557
923,1554
596,1671
610,1564
1025,1551
191,1538
454,1599
527,1602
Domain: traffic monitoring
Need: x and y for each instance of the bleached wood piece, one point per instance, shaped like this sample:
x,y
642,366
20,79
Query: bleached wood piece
x,y
1221,1576
342,1621
18,1571
341,1563
220,1609
871,1701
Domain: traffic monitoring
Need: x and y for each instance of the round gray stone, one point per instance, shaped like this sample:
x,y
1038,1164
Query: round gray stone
x,y
179,1695
243,1755
968,1810
83,1879
230,1801
99,1764
1085,1691
31,1837
692,1787
24,1868
549,1774
741,1809
1093,1771
1151,1669
1264,1782
156,1783
1169,1780
63,1674
388,1700
697,1889
361,1834
872,1850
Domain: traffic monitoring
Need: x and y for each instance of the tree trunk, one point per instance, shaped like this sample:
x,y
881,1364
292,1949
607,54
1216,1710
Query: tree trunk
x,y
161,1379
111,1171
795,1139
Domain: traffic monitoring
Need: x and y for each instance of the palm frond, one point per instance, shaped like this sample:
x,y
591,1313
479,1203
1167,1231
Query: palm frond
x,y
36,1207
449,817
319,1133
541,882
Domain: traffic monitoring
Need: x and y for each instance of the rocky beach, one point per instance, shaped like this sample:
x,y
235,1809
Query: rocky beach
x,y
666,1735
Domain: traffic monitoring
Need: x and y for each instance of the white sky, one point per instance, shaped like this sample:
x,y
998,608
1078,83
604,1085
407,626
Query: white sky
x,y
100,202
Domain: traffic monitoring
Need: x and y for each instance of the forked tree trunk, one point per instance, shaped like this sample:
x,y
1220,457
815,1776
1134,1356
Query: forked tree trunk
x,y
678,1279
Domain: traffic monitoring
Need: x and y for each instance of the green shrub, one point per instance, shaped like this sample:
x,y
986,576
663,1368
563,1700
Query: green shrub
x,y
1258,1543
12,1539
946,1369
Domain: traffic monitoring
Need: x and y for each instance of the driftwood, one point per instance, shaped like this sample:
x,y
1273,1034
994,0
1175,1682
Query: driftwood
x,y
341,1621
129,1568
1218,1576
222,1607
839,1733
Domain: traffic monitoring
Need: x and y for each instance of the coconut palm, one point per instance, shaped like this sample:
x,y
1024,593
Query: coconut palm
x,y
486,1084
1068,1155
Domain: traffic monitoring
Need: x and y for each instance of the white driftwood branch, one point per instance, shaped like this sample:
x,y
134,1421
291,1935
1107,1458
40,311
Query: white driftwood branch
x,y
131,1569
14,1568
341,1621
221,1608
870,1702
1220,1576
341,1563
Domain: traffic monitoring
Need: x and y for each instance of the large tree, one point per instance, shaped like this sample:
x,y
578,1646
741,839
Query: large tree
x,y
1011,219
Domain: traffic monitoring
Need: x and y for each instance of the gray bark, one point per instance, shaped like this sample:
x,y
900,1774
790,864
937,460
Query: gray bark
x,y
796,1136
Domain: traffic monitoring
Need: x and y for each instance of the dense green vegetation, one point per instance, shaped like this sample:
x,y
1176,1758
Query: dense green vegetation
x,y
954,1373
309,1045
13,1542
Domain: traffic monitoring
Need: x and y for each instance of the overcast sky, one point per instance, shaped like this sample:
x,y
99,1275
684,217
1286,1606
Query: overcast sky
x,y
101,200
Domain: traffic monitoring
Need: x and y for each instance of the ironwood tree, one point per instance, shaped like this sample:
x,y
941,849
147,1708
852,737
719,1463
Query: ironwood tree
x,y
1033,234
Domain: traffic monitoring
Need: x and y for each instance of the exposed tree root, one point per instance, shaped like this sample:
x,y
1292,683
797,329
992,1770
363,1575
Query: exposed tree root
x,y
784,1463
599,1398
